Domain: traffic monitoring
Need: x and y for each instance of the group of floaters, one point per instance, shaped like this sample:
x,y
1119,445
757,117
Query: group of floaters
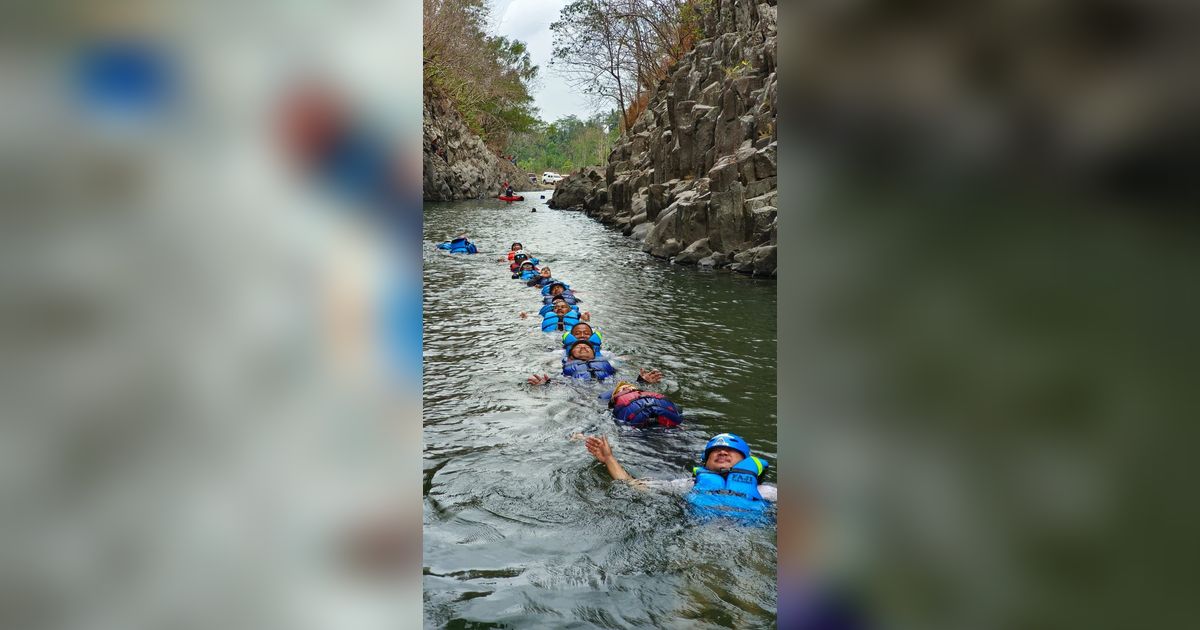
x,y
726,484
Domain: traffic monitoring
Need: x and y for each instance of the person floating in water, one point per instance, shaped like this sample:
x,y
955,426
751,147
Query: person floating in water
x,y
582,362
641,408
526,272
542,279
513,251
582,331
519,258
563,317
553,307
726,484
559,290
460,245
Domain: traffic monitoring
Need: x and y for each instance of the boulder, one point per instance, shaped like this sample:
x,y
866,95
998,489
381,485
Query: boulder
x,y
728,224
760,261
666,250
716,260
575,189
762,220
640,231
693,253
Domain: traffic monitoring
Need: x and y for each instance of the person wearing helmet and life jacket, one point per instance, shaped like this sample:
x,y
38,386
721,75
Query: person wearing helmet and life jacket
x,y
582,362
582,332
555,287
557,291
526,272
513,251
726,484
552,303
561,318
460,245
519,258
641,408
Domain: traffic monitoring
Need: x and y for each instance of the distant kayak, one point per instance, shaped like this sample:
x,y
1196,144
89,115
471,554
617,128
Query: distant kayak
x,y
510,199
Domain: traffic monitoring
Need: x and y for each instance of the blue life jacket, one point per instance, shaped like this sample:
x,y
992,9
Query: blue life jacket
x,y
528,274
565,295
641,408
570,340
548,308
546,288
597,368
733,494
552,321
459,246
541,282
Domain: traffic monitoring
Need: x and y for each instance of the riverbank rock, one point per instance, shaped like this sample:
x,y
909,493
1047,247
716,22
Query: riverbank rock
x,y
581,190
456,164
699,164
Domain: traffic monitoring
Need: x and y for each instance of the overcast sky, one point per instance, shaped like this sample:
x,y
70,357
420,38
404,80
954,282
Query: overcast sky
x,y
529,21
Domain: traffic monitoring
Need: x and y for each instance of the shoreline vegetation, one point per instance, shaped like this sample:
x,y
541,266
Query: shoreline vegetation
x,y
613,51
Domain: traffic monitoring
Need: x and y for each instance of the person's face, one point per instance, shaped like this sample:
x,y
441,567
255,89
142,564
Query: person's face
x,y
527,266
722,457
556,289
561,308
581,331
583,352
517,247
545,272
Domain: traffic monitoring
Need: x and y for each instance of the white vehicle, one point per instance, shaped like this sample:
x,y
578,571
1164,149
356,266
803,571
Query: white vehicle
x,y
549,177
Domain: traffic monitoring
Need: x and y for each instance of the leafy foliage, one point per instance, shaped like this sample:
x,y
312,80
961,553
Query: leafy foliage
x,y
488,77
566,144
618,50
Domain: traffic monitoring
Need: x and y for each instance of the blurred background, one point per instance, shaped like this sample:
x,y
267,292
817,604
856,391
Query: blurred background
x,y
987,339
211,315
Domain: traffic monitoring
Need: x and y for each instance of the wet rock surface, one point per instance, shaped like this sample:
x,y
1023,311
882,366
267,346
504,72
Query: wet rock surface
x,y
699,164
456,164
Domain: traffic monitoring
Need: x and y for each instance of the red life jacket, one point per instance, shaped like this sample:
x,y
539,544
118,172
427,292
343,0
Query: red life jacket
x,y
639,408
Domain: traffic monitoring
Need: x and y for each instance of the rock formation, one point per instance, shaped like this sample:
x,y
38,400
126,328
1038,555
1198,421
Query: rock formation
x,y
694,177
456,164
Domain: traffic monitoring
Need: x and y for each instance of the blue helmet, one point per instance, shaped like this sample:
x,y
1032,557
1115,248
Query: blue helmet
x,y
728,440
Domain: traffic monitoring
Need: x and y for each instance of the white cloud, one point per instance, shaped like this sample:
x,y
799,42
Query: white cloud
x,y
529,21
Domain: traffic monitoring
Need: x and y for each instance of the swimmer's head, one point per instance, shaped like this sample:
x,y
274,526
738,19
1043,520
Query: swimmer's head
x,y
519,257
622,387
561,307
724,451
582,330
545,273
516,247
582,351
557,288
526,266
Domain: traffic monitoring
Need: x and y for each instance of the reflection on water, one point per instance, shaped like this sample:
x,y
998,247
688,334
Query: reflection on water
x,y
522,526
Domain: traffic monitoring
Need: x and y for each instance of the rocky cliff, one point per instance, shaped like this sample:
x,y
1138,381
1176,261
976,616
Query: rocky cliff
x,y
694,177
456,163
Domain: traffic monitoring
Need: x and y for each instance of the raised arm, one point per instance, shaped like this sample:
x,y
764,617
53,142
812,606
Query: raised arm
x,y
649,376
599,448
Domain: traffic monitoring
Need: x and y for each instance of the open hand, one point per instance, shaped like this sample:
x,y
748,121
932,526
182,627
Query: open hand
x,y
538,380
650,376
587,316
599,448
524,314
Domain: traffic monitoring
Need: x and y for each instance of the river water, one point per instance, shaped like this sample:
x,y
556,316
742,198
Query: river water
x,y
522,528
